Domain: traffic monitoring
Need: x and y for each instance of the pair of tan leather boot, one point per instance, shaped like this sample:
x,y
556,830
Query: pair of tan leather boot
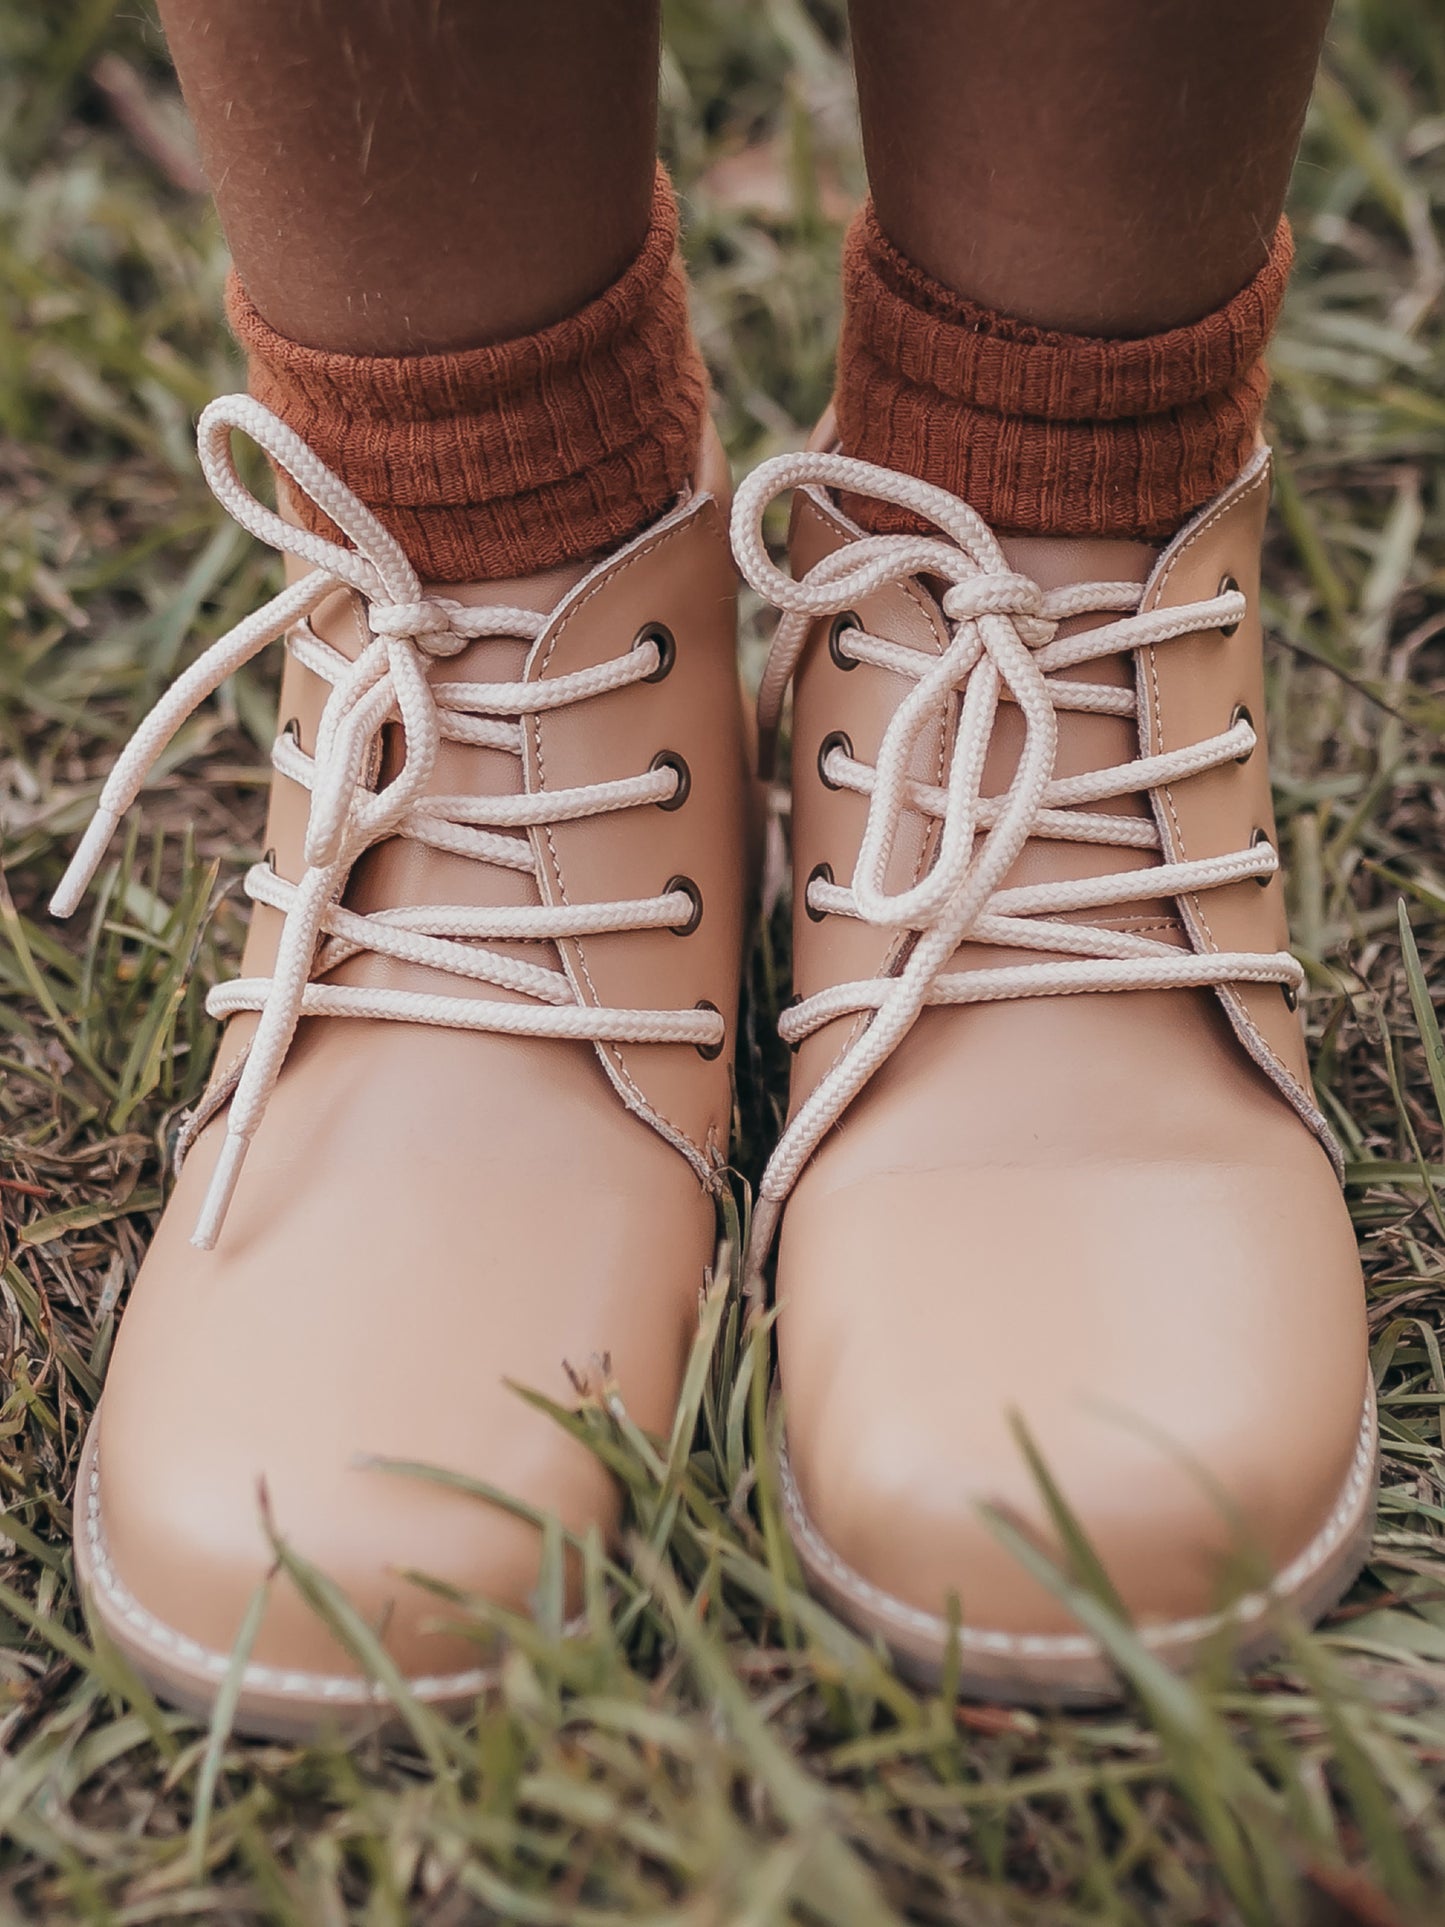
x,y
1051,1150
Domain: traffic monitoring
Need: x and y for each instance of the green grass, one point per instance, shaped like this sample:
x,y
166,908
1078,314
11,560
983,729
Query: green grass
x,y
715,1748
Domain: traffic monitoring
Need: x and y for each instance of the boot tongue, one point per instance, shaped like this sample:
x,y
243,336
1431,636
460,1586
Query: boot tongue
x,y
1086,742
1056,561
401,872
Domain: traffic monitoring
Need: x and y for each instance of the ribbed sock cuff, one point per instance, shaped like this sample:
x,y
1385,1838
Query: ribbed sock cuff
x,y
1046,433
506,460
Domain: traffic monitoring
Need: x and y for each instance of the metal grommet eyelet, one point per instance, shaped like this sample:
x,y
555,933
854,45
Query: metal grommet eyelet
x,y
1262,836
689,889
669,759
848,620
269,859
1291,996
292,728
835,739
663,639
820,873
710,1051
1228,586
1242,715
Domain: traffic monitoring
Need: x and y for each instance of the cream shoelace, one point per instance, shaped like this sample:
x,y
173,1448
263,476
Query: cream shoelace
x,y
1002,639
387,685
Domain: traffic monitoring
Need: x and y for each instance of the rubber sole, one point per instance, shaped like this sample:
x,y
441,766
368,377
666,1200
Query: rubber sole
x,y
1072,1669
1011,1668
275,1702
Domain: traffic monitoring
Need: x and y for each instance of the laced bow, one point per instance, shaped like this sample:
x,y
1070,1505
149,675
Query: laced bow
x,y
388,684
1002,644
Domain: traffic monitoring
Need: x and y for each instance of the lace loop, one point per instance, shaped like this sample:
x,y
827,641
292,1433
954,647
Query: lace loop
x,y
387,686
1002,645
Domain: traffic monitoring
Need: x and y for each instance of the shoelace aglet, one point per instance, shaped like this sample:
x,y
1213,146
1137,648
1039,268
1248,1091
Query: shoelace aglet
x,y
220,1191
86,861
322,847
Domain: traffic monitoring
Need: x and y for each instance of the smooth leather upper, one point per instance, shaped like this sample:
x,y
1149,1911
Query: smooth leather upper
x,y
427,1214
1109,1215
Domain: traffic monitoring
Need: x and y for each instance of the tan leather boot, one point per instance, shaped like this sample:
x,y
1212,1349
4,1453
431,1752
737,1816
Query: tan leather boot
x,y
1026,774
480,1055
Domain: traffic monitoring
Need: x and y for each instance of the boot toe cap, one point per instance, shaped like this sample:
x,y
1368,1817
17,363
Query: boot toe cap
x,y
176,1544
1196,1398
357,1320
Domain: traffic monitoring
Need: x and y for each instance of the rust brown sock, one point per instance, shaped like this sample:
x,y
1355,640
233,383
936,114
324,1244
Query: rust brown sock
x,y
505,460
1045,433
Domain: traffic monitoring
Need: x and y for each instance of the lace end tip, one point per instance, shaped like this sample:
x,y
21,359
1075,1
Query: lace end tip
x,y
221,1190
85,862
761,1232
322,848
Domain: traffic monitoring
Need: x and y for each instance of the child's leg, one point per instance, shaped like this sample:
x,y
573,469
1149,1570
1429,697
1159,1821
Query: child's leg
x,y
398,179
1104,167
1094,191
456,272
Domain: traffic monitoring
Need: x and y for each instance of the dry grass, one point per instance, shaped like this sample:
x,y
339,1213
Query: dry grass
x,y
715,1748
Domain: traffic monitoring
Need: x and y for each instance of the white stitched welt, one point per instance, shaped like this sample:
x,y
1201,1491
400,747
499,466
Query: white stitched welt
x,y
912,1619
335,1688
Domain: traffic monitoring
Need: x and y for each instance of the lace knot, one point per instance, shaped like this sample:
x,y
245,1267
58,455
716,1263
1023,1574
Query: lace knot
x,y
1001,593
430,625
